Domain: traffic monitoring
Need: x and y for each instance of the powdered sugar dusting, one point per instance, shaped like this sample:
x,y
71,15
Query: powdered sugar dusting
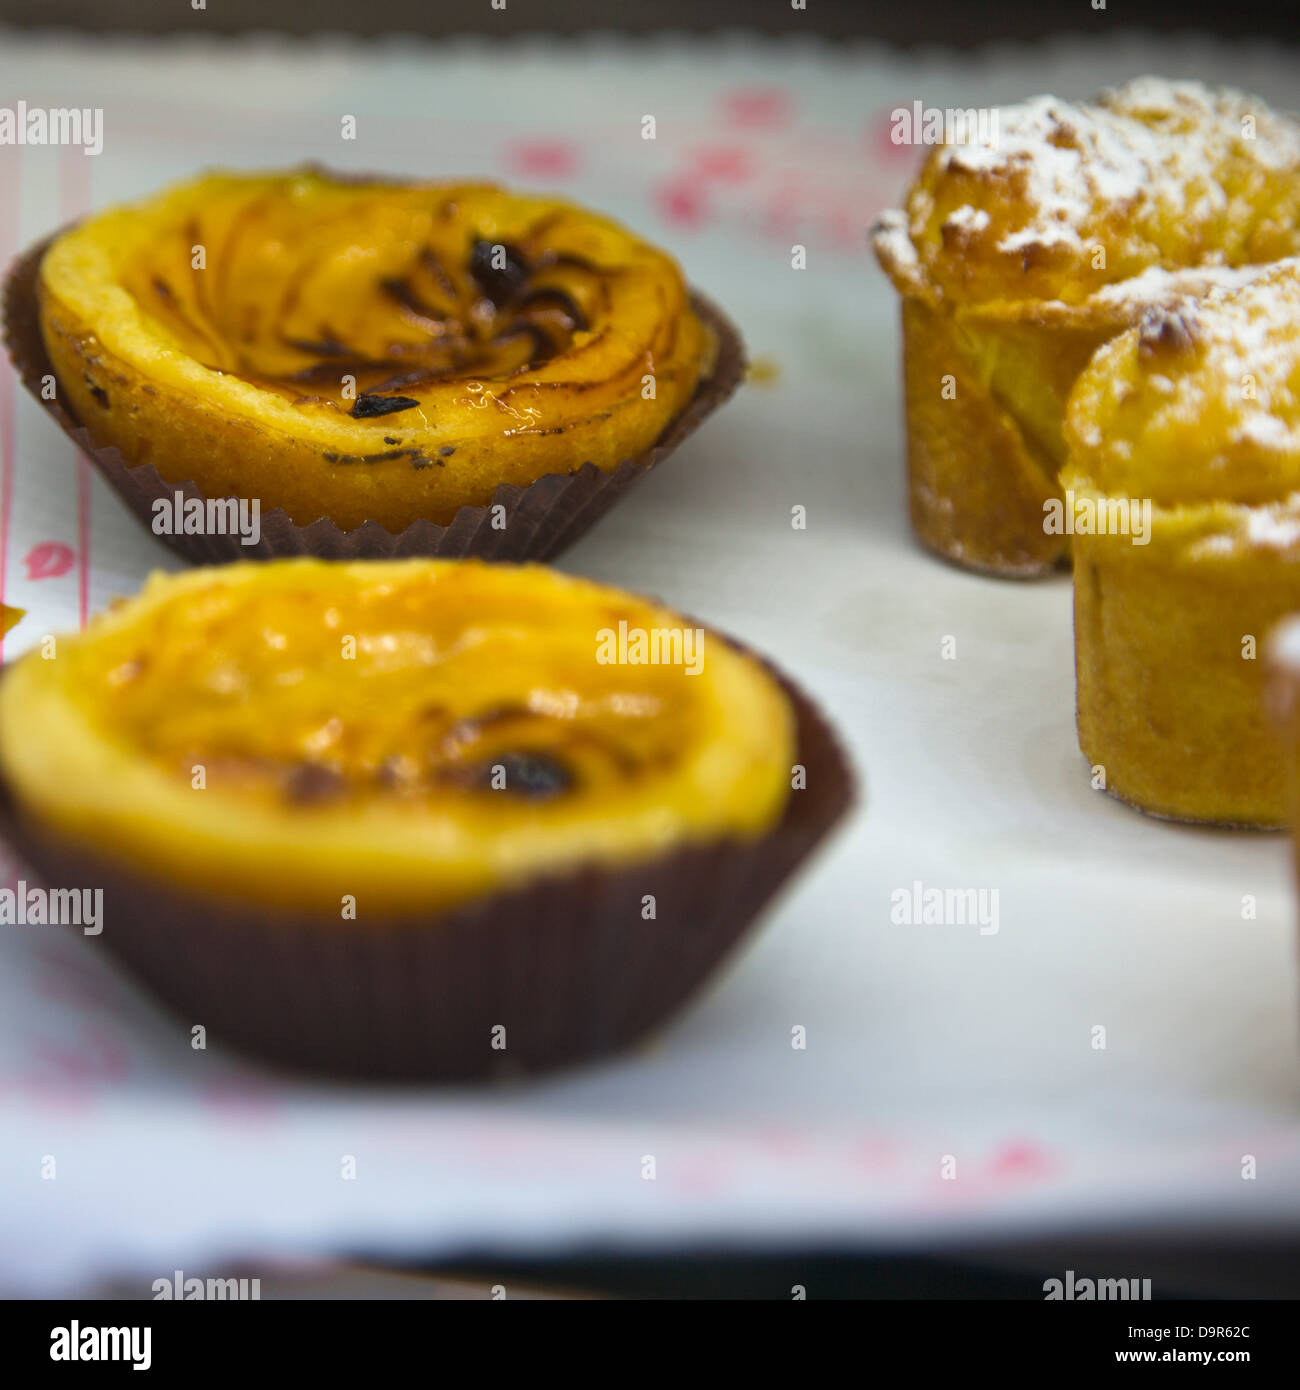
x,y
1275,526
1235,370
893,242
1157,285
1055,234
1200,404
1284,644
968,218
1251,348
1150,142
1266,527
1267,431
1159,188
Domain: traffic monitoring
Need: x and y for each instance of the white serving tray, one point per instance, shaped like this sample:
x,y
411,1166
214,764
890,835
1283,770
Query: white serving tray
x,y
922,1041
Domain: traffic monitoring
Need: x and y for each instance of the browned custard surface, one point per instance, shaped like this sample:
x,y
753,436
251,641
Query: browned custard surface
x,y
365,349
409,733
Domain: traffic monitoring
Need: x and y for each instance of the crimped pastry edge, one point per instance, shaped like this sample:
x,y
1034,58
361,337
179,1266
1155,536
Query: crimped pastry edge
x,y
566,965
541,520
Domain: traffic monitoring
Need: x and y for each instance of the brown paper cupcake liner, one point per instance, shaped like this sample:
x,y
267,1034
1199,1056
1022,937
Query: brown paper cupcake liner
x,y
567,966
541,520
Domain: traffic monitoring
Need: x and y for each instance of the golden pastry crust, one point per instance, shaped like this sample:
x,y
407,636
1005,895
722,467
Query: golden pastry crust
x,y
411,733
1025,258
1155,174
1196,416
366,350
1200,403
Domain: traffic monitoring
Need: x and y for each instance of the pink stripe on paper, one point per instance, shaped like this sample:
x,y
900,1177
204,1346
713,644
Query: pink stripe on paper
x,y
10,178
74,200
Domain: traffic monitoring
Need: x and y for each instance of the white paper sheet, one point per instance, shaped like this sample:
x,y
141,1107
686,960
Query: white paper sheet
x,y
922,1041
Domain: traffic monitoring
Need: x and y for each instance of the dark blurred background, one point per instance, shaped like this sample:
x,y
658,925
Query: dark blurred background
x,y
911,22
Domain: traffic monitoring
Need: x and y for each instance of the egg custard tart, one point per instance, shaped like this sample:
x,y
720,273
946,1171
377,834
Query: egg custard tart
x,y
1023,249
364,357
1184,466
360,815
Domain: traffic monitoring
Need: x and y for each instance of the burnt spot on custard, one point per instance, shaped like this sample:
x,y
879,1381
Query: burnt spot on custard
x,y
528,775
499,270
368,406
525,774
499,310
417,457
311,784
